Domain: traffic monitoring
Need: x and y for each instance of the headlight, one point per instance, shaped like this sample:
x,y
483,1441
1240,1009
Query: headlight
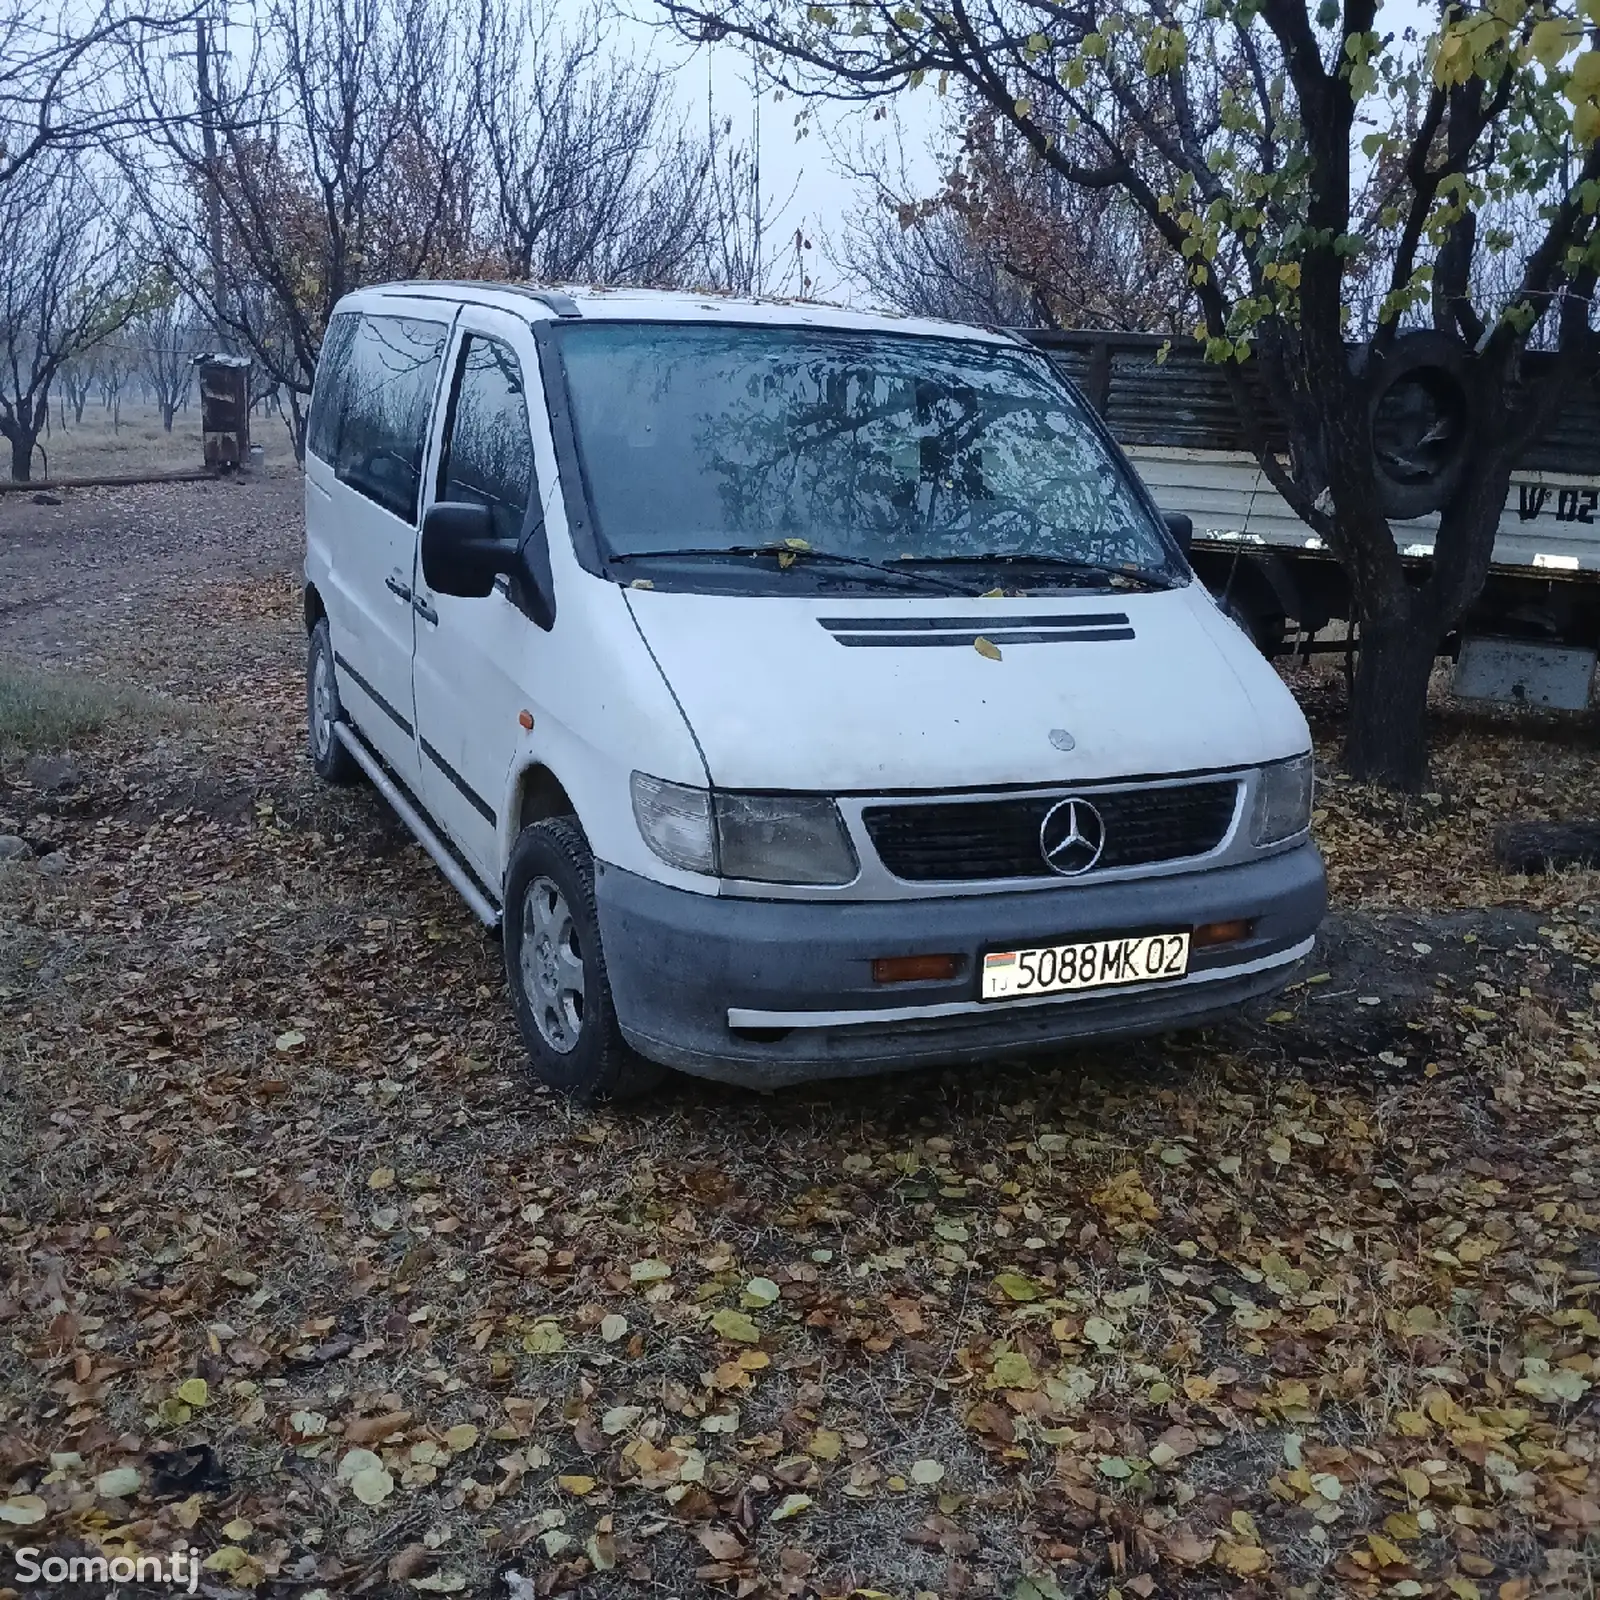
x,y
1283,801
786,838
761,838
675,821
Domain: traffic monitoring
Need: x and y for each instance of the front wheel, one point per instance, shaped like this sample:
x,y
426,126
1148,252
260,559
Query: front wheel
x,y
557,970
333,763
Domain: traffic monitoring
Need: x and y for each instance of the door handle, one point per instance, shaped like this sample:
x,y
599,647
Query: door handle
x,y
424,610
399,590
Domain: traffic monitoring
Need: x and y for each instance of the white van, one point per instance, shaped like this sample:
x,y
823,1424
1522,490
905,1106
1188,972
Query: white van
x,y
803,693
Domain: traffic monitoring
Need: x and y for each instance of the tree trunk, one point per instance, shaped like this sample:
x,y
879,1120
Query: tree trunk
x,y
1387,740
22,442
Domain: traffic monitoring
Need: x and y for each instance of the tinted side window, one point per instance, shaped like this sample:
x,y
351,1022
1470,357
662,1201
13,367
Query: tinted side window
x,y
489,454
377,441
327,403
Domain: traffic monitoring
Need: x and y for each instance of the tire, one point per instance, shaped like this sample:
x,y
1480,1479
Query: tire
x,y
329,758
1265,629
557,970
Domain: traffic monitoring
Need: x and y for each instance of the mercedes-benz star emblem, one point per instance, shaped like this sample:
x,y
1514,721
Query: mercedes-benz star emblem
x,y
1071,837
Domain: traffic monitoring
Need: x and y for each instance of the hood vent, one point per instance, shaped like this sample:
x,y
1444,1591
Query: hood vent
x,y
1083,627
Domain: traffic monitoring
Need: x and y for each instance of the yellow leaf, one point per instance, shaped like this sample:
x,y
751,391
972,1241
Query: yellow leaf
x,y
1243,1560
461,1437
1016,1287
1012,1370
791,1506
194,1392
381,1178
1416,1481
577,1483
736,1325
1549,41
1384,1552
544,1339
986,647
1100,1332
651,1271
825,1444
760,1292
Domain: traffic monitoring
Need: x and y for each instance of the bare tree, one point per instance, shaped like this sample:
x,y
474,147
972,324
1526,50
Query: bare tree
x,y
165,342
67,282
53,74
342,156
592,175
77,384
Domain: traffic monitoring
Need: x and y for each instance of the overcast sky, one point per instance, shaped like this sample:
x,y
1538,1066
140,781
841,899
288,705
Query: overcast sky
x,y
804,183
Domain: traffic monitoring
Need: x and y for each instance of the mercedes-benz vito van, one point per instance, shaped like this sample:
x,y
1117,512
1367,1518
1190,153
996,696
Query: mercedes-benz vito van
x,y
802,693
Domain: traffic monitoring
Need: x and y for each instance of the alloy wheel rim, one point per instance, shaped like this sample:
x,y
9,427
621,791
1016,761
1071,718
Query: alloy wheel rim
x,y
552,965
322,705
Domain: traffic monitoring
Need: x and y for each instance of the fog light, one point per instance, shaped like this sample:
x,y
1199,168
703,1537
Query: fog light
x,y
1214,933
914,969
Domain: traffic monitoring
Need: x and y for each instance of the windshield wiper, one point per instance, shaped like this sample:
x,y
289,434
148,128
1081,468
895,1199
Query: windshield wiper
x,y
898,569
1137,577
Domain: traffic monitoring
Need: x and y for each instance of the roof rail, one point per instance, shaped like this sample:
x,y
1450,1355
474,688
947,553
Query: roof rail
x,y
562,304
554,299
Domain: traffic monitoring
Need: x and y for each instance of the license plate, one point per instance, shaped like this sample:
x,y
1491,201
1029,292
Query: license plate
x,y
1095,964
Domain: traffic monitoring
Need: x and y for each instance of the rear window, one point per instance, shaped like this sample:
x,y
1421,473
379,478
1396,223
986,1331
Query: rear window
x,y
369,416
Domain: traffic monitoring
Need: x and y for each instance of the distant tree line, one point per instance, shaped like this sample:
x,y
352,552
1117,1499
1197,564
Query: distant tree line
x,y
172,184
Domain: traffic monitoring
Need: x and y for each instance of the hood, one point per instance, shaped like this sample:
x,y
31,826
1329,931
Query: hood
x,y
869,693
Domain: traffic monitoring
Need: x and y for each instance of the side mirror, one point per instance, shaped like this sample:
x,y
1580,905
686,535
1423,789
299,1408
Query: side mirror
x,y
461,554
1181,526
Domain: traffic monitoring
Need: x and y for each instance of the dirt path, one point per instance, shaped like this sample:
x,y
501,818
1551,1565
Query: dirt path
x,y
1305,1305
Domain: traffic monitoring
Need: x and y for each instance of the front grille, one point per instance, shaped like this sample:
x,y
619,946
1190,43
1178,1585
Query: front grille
x,y
960,840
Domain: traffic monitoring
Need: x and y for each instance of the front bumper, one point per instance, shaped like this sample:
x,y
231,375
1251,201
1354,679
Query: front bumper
x,y
771,992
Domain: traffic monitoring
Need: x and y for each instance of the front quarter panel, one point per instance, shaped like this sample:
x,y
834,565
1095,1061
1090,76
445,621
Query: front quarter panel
x,y
601,711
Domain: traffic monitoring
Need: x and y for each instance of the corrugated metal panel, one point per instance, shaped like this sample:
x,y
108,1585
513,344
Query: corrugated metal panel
x,y
1185,402
1230,500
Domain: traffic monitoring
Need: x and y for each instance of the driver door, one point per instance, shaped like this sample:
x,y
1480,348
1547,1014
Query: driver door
x,y
475,659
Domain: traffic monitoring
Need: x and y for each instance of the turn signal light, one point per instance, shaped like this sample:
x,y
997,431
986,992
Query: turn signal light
x,y
914,969
1214,933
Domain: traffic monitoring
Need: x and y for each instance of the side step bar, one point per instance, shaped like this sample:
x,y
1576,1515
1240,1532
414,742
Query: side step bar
x,y
464,885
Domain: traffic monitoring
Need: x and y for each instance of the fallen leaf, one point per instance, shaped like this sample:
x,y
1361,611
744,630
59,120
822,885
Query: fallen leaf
x,y
735,1325
986,647
926,1471
790,1506
118,1483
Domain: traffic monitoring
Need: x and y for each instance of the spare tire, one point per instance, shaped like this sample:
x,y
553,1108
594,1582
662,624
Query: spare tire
x,y
1419,413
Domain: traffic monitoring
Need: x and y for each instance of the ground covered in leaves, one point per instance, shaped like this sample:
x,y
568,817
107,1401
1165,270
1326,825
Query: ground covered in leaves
x,y
299,1270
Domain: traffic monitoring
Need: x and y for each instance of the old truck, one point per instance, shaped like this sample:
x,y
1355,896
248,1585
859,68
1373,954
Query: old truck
x,y
1534,633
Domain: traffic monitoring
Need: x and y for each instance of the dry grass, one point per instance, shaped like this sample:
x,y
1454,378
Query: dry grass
x,y
97,447
44,711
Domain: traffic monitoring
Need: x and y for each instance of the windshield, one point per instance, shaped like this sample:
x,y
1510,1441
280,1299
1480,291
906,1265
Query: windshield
x,y
882,447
